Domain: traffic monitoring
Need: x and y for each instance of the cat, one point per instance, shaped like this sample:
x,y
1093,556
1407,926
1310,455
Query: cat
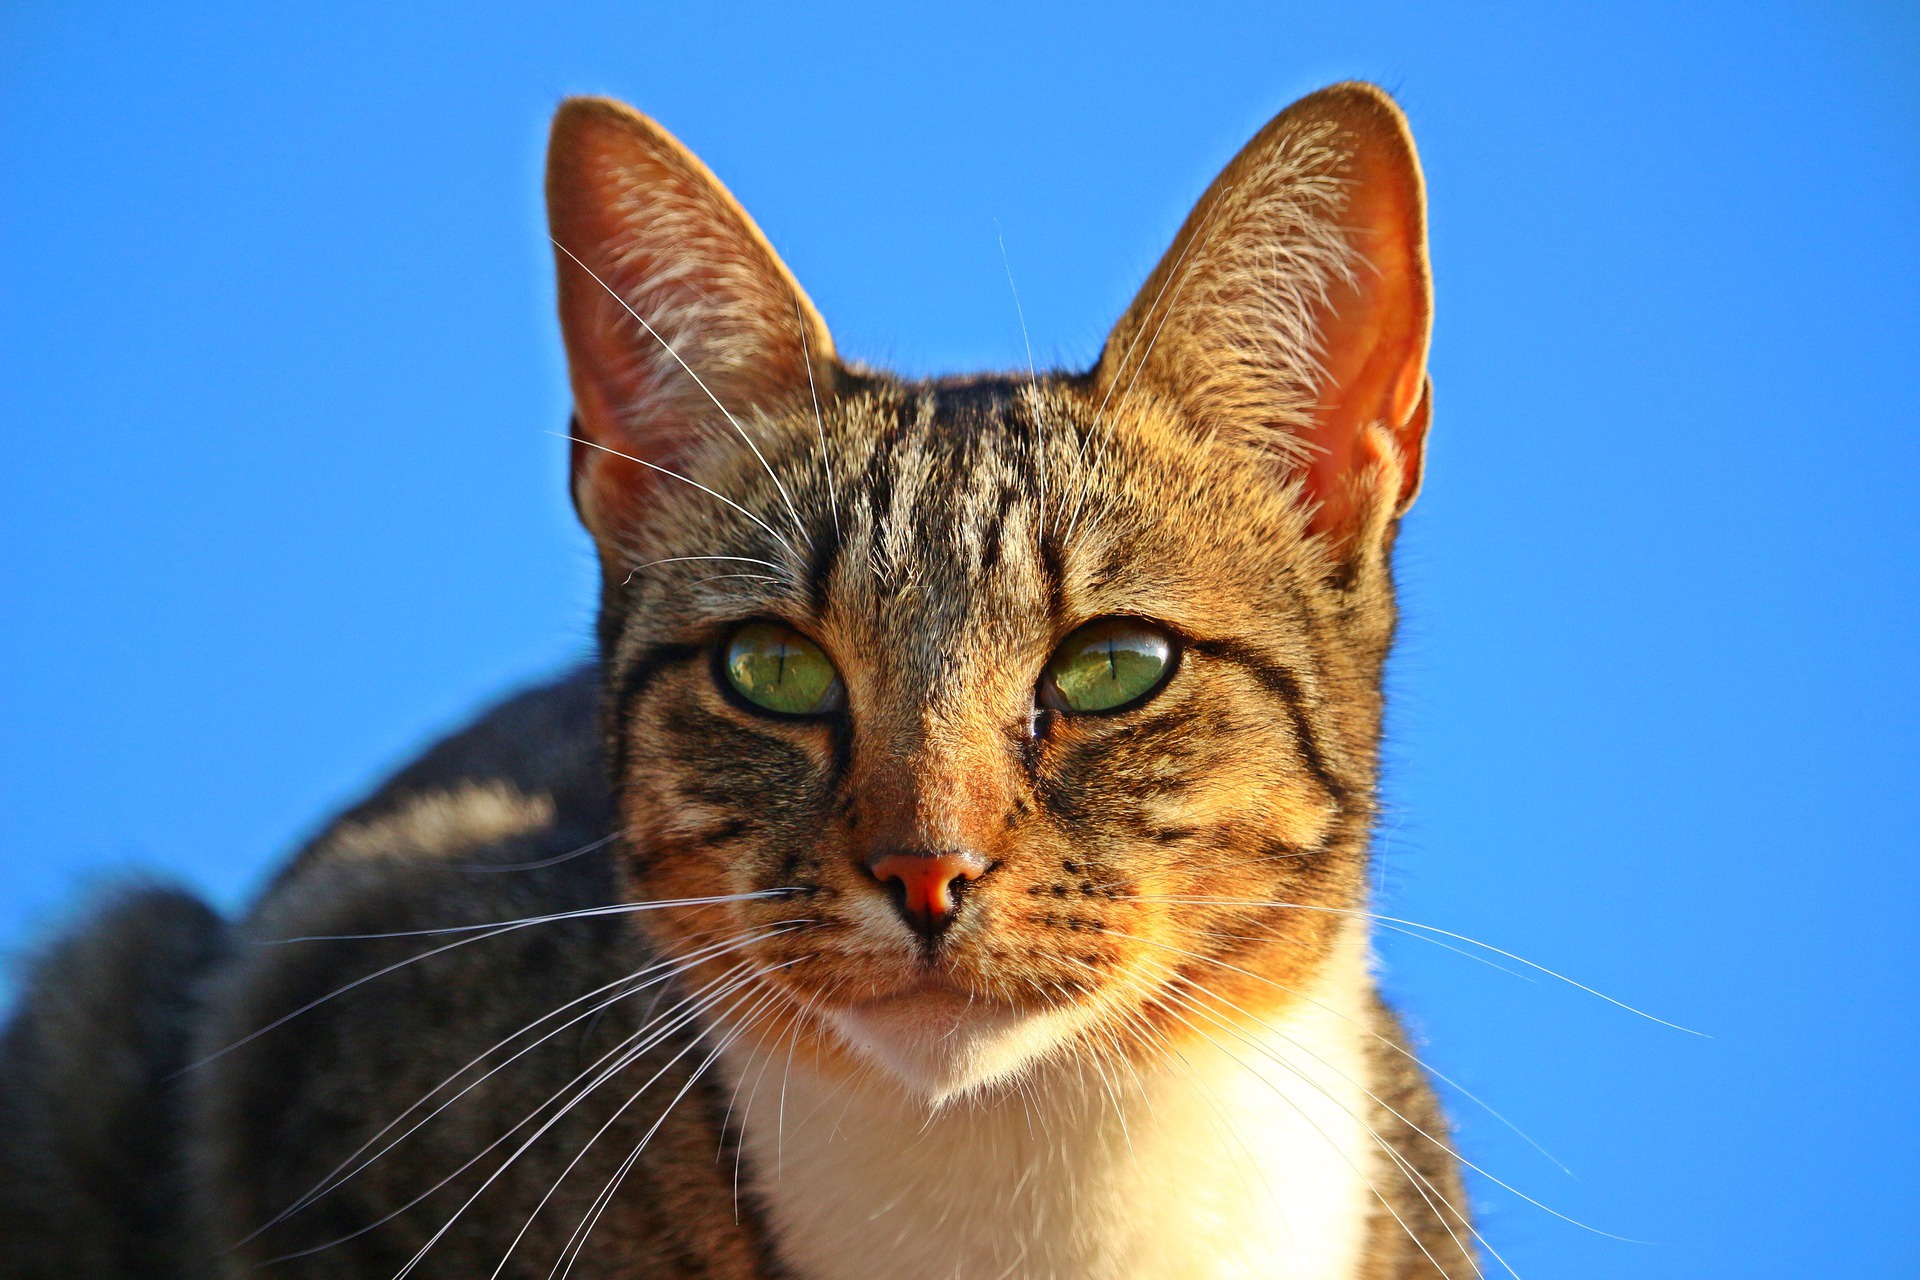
x,y
953,864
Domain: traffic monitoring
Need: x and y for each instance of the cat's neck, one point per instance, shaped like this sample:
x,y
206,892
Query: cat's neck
x,y
1241,1152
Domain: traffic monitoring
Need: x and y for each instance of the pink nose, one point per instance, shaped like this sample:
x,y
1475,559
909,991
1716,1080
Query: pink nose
x,y
926,880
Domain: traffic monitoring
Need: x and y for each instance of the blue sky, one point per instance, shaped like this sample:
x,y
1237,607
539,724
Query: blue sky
x,y
278,498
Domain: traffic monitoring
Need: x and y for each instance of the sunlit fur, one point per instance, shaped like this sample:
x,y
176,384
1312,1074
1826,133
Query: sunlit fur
x,y
601,985
978,524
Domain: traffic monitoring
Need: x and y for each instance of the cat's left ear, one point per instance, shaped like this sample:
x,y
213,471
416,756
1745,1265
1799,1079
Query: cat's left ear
x,y
675,309
1294,308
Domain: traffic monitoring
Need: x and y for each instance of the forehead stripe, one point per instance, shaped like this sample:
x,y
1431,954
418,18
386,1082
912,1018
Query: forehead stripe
x,y
820,566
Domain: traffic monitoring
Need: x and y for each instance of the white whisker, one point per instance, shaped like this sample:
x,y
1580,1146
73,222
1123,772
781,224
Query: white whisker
x,y
1033,381
542,863
1164,315
1415,1178
1369,1032
692,1016
654,975
1372,1186
1442,1145
686,559
622,1054
695,1004
698,381
1174,274
748,577
1405,1163
617,909
819,422
675,475
607,1193
1445,933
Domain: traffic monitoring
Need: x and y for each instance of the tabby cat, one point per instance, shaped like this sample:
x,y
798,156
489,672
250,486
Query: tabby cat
x,y
954,864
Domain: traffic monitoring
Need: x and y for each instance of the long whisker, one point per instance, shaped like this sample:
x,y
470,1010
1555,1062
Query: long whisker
x,y
1145,356
632,985
1445,933
1033,378
731,985
1440,1144
675,475
746,1115
1372,1187
1176,273
607,1193
1385,1041
620,1055
1505,1186
492,931
819,422
1177,280
1459,951
616,909
698,381
750,577
542,863
1170,1053
347,1169
1393,929
780,1122
684,559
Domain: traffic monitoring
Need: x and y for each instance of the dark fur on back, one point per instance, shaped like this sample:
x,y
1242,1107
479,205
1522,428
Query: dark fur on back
x,y
435,849
91,1182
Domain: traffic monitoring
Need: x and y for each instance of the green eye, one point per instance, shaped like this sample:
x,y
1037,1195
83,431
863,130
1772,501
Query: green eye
x,y
1107,665
779,670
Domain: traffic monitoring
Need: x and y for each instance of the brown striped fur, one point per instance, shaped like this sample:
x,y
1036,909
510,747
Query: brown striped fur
x,y
1232,469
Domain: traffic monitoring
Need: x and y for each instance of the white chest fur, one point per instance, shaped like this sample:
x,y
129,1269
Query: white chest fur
x,y
1244,1157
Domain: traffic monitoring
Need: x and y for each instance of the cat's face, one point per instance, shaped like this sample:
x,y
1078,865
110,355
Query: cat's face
x,y
999,709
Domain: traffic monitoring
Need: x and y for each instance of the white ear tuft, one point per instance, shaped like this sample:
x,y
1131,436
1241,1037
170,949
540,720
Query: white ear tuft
x,y
1293,310
675,309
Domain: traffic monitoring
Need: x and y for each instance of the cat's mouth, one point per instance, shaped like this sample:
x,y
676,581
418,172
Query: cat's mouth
x,y
940,1042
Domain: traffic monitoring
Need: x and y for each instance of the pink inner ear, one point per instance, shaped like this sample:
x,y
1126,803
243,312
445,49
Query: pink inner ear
x,y
1373,401
676,312
1344,384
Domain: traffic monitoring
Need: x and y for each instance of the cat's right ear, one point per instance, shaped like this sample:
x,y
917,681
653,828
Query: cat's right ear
x,y
1292,313
675,310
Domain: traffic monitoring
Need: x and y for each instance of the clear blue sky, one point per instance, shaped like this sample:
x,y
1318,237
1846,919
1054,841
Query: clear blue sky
x,y
277,498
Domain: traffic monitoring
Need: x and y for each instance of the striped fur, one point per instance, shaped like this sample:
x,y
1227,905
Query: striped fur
x,y
1148,1046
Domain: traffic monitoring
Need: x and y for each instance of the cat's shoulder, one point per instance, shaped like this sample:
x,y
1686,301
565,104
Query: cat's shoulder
x,y
442,870
527,770
453,947
119,1012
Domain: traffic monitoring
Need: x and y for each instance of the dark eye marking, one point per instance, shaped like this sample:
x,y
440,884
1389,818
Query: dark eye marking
x,y
1091,782
1282,684
640,673
734,766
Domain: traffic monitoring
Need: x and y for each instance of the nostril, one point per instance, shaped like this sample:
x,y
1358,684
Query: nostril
x,y
927,895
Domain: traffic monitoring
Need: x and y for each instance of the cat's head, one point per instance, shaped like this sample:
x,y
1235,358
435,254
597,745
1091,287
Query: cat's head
x,y
1019,701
